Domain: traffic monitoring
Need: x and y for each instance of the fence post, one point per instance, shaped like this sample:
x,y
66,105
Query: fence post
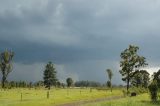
x,y
21,96
47,94
90,90
67,91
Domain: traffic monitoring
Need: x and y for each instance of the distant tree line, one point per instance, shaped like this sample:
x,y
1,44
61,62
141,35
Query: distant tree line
x,y
23,84
87,84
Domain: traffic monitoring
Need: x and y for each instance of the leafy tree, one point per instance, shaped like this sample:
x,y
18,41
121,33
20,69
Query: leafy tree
x,y
130,62
6,65
136,79
156,76
145,78
153,89
110,75
69,82
49,75
140,78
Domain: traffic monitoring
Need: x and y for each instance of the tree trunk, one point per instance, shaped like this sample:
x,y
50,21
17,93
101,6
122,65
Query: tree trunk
x,y
3,79
111,85
47,94
111,88
49,87
127,85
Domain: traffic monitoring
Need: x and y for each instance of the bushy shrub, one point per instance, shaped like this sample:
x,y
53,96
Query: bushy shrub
x,y
138,90
153,89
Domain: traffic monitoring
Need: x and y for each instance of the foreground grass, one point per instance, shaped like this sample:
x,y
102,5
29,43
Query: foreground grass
x,y
57,96
140,100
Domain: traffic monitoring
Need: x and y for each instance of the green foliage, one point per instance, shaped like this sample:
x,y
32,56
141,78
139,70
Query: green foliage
x,y
156,76
153,89
109,84
140,78
69,82
87,84
110,75
6,65
49,75
130,62
138,90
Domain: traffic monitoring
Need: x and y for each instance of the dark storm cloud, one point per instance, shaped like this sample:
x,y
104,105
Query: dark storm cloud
x,y
77,33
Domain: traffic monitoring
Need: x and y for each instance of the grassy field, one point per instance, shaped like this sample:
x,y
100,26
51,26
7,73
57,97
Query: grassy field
x,y
140,100
38,97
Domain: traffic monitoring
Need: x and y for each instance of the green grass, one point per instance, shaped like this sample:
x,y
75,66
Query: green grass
x,y
140,100
38,97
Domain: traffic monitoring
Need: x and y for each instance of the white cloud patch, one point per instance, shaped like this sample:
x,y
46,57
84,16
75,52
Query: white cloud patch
x,y
63,74
151,70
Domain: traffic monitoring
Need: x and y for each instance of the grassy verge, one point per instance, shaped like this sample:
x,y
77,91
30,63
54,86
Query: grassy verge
x,y
140,100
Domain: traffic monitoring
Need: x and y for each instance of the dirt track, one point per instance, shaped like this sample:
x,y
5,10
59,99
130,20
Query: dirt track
x,y
79,103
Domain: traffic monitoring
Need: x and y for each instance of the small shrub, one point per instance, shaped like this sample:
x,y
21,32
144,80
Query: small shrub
x,y
153,89
138,90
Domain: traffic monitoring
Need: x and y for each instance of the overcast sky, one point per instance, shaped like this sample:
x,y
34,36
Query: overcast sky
x,y
81,37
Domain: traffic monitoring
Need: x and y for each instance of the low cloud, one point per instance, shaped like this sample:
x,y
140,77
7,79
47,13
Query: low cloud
x,y
82,37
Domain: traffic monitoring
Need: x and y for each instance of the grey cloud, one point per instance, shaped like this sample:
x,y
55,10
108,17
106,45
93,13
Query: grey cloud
x,y
77,33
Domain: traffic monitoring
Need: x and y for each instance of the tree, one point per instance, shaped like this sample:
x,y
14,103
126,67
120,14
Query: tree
x,y
6,65
145,78
130,62
140,78
110,75
69,82
136,79
49,75
156,76
153,89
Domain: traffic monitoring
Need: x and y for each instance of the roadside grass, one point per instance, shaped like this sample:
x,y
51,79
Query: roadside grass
x,y
38,97
140,100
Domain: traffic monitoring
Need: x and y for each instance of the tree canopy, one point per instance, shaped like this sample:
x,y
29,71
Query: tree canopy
x,y
6,65
69,82
49,75
110,75
130,62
